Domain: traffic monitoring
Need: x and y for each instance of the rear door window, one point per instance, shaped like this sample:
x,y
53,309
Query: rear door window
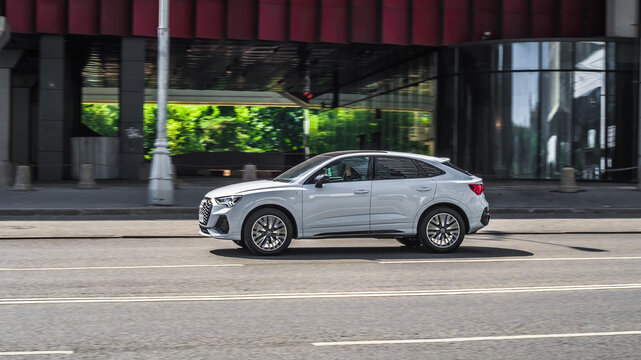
x,y
389,168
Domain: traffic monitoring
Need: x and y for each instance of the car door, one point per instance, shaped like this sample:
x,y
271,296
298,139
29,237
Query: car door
x,y
341,206
399,190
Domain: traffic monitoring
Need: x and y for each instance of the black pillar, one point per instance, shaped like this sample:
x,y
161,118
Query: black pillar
x,y
132,99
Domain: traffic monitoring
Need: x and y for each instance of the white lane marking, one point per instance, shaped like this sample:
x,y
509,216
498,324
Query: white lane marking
x,y
479,338
18,353
509,260
120,267
320,295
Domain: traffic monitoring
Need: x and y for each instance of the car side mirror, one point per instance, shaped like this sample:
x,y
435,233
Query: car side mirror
x,y
320,180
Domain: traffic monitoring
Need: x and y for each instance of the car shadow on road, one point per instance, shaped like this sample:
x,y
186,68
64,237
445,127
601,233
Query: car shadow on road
x,y
375,253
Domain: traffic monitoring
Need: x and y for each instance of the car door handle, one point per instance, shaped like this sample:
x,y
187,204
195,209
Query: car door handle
x,y
424,188
361,191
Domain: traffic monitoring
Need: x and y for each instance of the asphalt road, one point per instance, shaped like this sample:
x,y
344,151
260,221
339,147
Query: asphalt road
x,y
525,296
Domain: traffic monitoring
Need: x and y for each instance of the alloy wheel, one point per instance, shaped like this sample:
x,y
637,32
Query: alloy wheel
x,y
269,232
443,230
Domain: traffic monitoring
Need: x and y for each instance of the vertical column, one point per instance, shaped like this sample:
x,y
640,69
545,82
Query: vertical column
x,y
20,124
51,112
132,99
5,113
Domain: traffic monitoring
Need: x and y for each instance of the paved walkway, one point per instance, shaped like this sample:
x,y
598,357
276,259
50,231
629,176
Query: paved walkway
x,y
115,197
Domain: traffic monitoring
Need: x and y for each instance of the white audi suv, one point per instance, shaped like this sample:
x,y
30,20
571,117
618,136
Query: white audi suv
x,y
418,200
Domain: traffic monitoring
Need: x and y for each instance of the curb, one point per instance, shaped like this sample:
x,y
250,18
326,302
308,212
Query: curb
x,y
102,211
187,210
566,211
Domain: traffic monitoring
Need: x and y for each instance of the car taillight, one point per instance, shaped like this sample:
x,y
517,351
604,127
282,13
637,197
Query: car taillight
x,y
477,188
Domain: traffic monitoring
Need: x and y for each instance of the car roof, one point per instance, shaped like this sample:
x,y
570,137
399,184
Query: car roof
x,y
380,152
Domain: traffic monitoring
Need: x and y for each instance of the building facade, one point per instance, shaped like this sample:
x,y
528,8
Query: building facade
x,y
506,88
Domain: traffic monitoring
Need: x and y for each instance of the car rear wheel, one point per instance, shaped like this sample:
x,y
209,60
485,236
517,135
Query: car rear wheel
x,y
267,232
442,230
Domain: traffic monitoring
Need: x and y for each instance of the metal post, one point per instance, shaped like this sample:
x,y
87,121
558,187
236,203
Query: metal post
x,y
306,132
161,187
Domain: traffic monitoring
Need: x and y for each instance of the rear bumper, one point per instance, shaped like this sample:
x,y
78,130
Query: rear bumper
x,y
485,218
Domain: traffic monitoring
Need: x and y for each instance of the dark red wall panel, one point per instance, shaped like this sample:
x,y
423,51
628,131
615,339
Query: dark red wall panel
x,y
21,15
115,17
145,17
303,20
210,19
83,17
572,18
272,20
543,18
334,21
455,21
597,18
51,16
425,22
364,21
395,22
486,19
181,22
515,19
242,19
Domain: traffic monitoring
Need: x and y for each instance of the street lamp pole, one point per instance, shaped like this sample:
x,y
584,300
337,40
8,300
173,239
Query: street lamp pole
x,y
161,187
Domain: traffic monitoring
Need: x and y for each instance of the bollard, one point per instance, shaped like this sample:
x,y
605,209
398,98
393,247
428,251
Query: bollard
x,y
568,183
23,178
87,177
249,172
6,173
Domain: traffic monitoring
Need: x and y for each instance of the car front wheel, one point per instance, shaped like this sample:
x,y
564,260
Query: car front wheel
x,y
267,232
442,230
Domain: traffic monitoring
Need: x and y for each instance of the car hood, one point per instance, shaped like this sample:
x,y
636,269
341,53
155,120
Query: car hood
x,y
247,187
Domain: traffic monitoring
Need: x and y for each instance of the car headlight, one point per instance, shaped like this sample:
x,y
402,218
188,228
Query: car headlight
x,y
229,201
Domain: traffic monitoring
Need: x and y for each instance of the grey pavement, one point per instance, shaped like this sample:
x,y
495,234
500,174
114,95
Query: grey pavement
x,y
545,296
119,197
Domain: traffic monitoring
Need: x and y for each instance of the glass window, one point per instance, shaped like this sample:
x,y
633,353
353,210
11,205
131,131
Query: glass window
x,y
589,124
524,56
450,165
429,170
590,56
394,168
293,173
515,131
556,116
556,55
349,169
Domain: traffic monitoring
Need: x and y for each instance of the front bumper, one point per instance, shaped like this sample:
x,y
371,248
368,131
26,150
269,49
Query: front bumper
x,y
217,221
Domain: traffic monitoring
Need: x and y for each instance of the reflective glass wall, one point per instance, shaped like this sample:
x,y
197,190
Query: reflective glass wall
x,y
528,109
390,110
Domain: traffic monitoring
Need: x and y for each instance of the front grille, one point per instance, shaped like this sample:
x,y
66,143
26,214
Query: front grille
x,y
204,211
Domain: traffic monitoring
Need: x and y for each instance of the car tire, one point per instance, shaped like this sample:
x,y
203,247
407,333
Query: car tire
x,y
409,241
267,231
441,230
240,243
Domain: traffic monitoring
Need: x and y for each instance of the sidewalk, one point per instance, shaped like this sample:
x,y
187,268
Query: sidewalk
x,y
119,197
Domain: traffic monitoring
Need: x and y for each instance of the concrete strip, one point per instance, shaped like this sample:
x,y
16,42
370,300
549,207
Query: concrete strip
x,y
25,229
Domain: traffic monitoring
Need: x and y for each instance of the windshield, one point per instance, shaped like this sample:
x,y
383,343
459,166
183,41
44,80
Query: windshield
x,y
293,173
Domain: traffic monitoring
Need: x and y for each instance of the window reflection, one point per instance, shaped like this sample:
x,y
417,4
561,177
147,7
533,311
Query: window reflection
x,y
590,56
589,123
556,55
525,56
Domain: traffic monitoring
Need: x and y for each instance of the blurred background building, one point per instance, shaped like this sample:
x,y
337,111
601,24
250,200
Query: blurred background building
x,y
505,88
